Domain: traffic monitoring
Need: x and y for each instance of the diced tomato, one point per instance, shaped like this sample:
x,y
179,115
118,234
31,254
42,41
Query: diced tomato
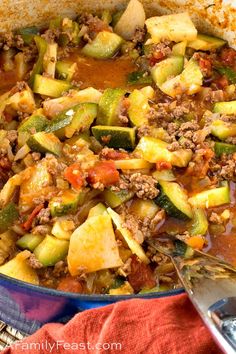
x,y
206,66
141,276
156,57
104,172
222,82
28,223
228,56
163,165
70,284
74,175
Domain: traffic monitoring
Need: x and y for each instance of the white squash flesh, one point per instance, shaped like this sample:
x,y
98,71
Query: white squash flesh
x,y
176,28
19,268
188,82
133,17
93,246
56,105
131,242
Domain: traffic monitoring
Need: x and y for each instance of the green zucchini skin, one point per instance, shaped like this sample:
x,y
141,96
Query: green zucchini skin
x,y
119,137
45,142
224,148
8,215
165,202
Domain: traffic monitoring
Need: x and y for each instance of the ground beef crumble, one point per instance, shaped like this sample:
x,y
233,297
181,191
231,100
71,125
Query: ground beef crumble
x,y
144,186
43,216
34,262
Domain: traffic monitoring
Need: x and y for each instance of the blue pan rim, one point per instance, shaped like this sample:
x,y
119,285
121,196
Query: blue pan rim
x,y
86,297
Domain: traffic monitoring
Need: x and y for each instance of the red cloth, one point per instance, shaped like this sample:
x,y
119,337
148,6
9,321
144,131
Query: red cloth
x,y
160,326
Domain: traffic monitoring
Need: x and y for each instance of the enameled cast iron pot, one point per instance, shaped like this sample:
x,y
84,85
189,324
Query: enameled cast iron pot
x,y
25,306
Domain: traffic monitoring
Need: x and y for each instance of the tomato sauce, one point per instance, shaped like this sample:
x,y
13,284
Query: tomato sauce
x,y
102,74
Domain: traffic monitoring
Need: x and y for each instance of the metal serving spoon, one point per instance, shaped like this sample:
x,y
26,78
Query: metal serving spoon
x,y
211,286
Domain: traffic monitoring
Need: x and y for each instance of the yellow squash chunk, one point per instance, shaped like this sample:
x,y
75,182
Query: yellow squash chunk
x,y
153,150
175,27
93,246
19,268
37,184
132,164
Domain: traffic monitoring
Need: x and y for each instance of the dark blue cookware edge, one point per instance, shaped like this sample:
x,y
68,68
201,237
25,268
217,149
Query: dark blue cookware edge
x,y
27,307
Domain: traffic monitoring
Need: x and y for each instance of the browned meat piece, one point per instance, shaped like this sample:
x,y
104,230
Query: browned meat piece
x,y
215,218
43,216
144,186
34,263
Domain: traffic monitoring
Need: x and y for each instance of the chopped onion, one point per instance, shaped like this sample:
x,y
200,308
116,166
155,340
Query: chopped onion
x,y
133,17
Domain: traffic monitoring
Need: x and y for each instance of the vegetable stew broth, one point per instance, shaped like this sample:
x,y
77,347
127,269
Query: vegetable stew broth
x,y
113,134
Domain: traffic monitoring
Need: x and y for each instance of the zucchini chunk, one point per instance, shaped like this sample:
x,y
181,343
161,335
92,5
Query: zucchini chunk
x,y
228,72
50,87
29,241
167,68
98,209
77,118
164,175
206,43
114,199
224,148
179,48
212,197
55,106
225,107
82,119
189,81
8,215
200,223
138,109
51,250
28,33
143,208
65,71
108,108
34,124
155,150
67,203
223,130
63,229
115,137
45,142
104,46
41,45
174,27
19,268
174,200
138,78
93,246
